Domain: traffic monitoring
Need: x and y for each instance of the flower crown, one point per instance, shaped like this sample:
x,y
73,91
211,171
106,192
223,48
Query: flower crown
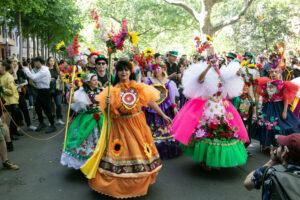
x,y
203,46
156,64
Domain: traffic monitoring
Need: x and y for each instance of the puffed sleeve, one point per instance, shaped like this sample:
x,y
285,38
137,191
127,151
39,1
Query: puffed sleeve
x,y
147,93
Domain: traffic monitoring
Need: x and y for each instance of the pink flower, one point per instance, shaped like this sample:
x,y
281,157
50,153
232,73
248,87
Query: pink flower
x,y
269,128
200,133
216,121
275,123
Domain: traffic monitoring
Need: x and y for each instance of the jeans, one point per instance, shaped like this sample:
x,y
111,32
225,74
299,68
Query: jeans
x,y
57,101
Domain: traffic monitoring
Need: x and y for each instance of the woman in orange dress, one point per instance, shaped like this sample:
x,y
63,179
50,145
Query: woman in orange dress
x,y
130,162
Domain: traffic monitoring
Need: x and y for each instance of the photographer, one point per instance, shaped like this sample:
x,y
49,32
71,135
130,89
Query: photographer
x,y
285,159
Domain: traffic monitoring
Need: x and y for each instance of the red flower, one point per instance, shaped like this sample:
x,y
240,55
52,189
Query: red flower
x,y
213,126
196,38
220,84
219,93
96,117
210,136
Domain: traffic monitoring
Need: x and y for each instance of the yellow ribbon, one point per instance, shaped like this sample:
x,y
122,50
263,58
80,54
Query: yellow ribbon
x,y
289,75
294,105
89,169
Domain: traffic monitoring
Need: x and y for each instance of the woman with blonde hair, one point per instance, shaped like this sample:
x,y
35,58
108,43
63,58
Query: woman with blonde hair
x,y
55,88
165,143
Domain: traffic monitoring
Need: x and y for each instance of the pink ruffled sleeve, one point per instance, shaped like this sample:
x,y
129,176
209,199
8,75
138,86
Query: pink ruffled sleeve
x,y
289,91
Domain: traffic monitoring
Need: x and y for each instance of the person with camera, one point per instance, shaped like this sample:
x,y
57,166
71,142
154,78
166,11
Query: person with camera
x,y
43,101
280,176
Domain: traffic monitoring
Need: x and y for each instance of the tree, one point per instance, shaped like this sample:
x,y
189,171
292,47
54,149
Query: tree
x,y
204,17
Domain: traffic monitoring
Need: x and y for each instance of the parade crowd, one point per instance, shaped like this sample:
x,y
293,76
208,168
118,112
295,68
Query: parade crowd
x,y
209,107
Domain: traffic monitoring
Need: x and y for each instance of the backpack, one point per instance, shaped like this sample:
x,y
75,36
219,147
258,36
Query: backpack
x,y
285,183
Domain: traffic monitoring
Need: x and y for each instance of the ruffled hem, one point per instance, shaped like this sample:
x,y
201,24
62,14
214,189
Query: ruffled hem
x,y
70,161
121,188
168,148
217,153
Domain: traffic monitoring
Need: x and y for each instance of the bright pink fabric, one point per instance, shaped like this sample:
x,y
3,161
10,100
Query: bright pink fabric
x,y
237,121
187,119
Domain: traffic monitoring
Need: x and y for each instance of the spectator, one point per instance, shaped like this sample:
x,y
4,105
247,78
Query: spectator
x,y
92,62
3,152
173,70
158,57
101,72
285,156
21,82
230,57
266,68
296,66
11,101
55,92
42,80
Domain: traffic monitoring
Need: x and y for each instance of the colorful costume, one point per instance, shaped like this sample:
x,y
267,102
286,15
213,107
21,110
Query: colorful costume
x,y
208,124
165,143
270,122
83,134
131,161
244,104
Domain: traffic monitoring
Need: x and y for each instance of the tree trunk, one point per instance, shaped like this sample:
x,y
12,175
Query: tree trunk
x,y
204,19
42,48
20,37
48,45
34,46
37,46
28,47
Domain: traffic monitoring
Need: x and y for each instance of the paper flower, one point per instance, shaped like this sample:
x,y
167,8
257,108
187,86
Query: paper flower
x,y
60,47
148,52
209,38
134,39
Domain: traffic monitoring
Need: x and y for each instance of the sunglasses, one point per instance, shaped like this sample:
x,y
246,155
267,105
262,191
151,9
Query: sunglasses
x,y
101,63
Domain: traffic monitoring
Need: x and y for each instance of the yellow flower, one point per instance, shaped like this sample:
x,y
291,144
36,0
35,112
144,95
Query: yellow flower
x,y
66,78
244,63
110,35
209,38
117,147
87,44
252,66
78,75
148,52
147,150
133,38
59,46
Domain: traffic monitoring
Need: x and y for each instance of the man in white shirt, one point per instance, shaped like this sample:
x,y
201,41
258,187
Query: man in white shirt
x,y
43,101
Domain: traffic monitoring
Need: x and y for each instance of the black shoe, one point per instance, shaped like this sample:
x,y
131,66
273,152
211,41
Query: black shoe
x,y
12,137
51,129
9,146
40,127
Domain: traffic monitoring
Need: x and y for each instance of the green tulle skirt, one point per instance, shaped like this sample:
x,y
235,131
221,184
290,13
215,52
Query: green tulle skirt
x,y
216,153
82,126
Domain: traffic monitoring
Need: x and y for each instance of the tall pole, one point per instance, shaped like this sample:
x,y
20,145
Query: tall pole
x,y
6,32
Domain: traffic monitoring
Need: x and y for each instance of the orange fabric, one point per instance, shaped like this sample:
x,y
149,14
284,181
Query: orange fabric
x,y
121,188
130,131
289,91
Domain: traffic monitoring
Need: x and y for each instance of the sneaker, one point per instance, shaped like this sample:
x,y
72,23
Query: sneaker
x,y
7,164
40,127
59,121
32,128
51,129
30,107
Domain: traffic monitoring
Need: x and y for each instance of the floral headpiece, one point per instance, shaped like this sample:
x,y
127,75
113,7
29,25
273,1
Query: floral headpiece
x,y
203,46
156,66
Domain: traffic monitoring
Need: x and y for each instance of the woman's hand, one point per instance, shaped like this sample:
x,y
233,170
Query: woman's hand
x,y
175,111
284,115
167,119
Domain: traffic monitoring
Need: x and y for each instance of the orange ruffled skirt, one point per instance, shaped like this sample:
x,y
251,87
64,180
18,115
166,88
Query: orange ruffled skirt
x,y
131,162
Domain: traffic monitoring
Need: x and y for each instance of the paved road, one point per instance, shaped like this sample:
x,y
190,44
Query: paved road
x,y
41,177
